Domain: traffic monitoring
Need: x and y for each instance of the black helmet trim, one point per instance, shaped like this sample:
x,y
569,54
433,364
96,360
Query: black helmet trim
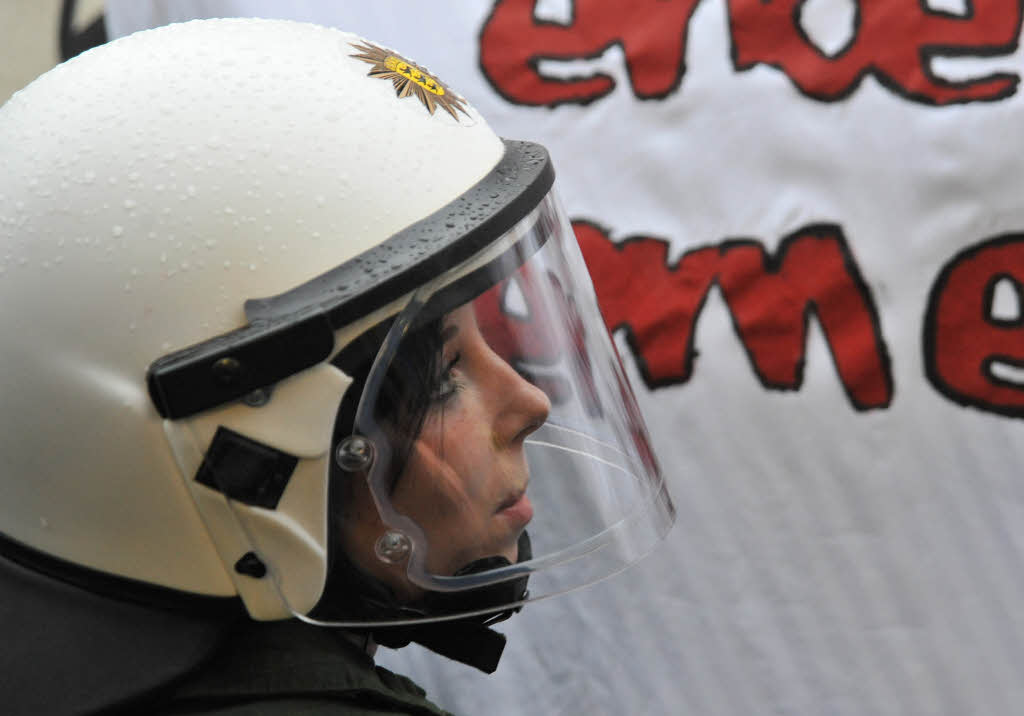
x,y
293,331
123,589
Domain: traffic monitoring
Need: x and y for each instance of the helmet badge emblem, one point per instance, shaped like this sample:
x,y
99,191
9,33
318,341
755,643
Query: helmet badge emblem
x,y
409,79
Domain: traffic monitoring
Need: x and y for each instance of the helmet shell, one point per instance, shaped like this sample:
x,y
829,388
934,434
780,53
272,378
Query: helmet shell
x,y
148,188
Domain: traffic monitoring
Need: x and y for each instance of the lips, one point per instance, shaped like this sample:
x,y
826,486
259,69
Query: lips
x,y
512,499
516,508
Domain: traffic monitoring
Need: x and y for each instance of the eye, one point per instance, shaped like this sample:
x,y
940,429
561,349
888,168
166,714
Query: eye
x,y
447,384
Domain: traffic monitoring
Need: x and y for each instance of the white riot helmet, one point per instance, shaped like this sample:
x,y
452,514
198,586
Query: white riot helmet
x,y
284,319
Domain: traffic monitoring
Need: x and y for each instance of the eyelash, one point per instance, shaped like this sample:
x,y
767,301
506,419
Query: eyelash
x,y
448,386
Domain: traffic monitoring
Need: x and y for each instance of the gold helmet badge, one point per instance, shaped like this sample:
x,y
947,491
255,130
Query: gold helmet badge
x,y
410,79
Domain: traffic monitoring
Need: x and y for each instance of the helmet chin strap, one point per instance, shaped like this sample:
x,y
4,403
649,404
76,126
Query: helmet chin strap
x,y
469,640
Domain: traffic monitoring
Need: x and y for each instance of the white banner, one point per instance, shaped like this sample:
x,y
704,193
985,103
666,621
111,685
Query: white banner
x,y
804,222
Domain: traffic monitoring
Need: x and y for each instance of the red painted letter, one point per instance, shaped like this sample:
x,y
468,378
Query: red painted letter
x,y
770,298
970,355
894,40
652,34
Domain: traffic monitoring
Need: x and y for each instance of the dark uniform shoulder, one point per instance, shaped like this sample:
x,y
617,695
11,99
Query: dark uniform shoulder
x,y
290,668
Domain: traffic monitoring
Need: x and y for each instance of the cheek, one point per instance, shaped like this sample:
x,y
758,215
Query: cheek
x,y
438,485
462,442
440,501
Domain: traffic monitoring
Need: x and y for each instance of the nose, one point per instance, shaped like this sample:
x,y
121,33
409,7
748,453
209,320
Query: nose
x,y
522,407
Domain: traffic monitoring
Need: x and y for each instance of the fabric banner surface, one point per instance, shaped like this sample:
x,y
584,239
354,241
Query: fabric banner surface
x,y
804,225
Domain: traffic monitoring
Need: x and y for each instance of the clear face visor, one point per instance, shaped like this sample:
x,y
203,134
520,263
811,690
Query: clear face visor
x,y
489,450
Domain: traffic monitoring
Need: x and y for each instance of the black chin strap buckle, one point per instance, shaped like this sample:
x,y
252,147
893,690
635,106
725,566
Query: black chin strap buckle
x,y
468,640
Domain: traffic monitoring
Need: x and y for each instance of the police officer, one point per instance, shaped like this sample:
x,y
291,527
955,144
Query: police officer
x,y
299,358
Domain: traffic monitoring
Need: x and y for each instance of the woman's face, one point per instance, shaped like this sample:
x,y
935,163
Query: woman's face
x,y
465,480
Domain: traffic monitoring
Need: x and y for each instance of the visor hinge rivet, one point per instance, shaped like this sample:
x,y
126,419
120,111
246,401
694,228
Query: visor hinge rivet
x,y
392,547
251,566
257,398
227,371
354,453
